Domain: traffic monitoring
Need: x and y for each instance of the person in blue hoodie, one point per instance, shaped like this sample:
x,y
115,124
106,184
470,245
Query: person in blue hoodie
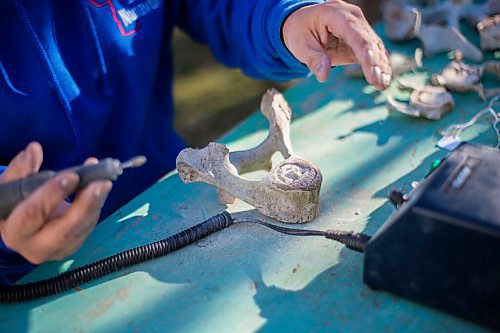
x,y
94,78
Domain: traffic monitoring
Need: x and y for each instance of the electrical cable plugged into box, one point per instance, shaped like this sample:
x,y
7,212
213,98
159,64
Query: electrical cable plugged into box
x,y
114,263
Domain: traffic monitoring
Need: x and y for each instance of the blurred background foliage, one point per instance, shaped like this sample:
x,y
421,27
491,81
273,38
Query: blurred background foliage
x,y
210,98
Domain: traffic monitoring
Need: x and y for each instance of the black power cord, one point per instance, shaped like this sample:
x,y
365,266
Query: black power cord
x,y
353,240
114,263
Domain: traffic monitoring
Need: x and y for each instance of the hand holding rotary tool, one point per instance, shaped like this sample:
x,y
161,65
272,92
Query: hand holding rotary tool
x,y
13,192
35,219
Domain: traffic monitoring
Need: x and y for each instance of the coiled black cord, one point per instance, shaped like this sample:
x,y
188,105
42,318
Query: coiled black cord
x,y
78,276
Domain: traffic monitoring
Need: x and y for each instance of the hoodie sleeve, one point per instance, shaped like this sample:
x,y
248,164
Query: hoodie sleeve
x,y
245,34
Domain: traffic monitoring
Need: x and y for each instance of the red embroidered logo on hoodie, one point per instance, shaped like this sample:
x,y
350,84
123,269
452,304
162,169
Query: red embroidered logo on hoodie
x,y
127,16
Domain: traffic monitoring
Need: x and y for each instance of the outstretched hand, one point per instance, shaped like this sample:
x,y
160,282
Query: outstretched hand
x,y
336,33
44,227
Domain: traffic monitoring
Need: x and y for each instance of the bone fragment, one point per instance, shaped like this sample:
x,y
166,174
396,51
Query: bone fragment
x,y
401,21
438,39
401,64
447,12
426,102
477,12
463,78
276,109
289,193
404,22
460,77
489,33
492,67
451,12
492,92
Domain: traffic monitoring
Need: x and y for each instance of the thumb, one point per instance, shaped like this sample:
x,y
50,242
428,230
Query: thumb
x,y
306,45
25,163
315,58
319,63
31,214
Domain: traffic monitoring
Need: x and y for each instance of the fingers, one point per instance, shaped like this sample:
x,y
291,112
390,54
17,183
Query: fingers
x,y
318,62
91,161
31,215
366,45
339,31
306,48
60,209
43,227
385,63
65,234
84,210
25,163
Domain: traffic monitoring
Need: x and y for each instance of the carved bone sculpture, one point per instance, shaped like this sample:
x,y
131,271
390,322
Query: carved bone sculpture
x,y
404,22
289,193
463,78
451,12
425,101
401,21
489,33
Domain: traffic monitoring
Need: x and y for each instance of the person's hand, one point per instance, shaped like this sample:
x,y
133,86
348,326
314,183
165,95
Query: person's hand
x,y
336,33
44,227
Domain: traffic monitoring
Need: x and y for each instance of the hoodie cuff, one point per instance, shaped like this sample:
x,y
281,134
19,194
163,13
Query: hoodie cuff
x,y
276,17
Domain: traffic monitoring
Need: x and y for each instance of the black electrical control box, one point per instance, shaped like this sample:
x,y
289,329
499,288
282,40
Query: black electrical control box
x,y
442,246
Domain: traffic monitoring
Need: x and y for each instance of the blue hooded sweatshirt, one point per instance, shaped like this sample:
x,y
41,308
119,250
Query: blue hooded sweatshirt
x,y
94,78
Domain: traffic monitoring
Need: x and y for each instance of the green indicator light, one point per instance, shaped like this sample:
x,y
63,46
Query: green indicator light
x,y
435,164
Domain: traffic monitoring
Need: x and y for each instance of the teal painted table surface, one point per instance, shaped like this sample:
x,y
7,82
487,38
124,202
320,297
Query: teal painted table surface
x,y
247,278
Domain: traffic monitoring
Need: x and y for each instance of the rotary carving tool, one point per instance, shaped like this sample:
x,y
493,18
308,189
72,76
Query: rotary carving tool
x,y
13,192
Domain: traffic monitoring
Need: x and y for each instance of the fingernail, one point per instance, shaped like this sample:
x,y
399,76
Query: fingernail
x,y
370,56
386,78
378,74
318,67
103,190
66,182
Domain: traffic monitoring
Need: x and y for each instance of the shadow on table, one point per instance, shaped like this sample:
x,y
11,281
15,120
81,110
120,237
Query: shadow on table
x,y
334,301
331,298
307,97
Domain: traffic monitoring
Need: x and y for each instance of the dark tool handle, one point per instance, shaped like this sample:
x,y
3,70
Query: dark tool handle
x,y
12,193
106,169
